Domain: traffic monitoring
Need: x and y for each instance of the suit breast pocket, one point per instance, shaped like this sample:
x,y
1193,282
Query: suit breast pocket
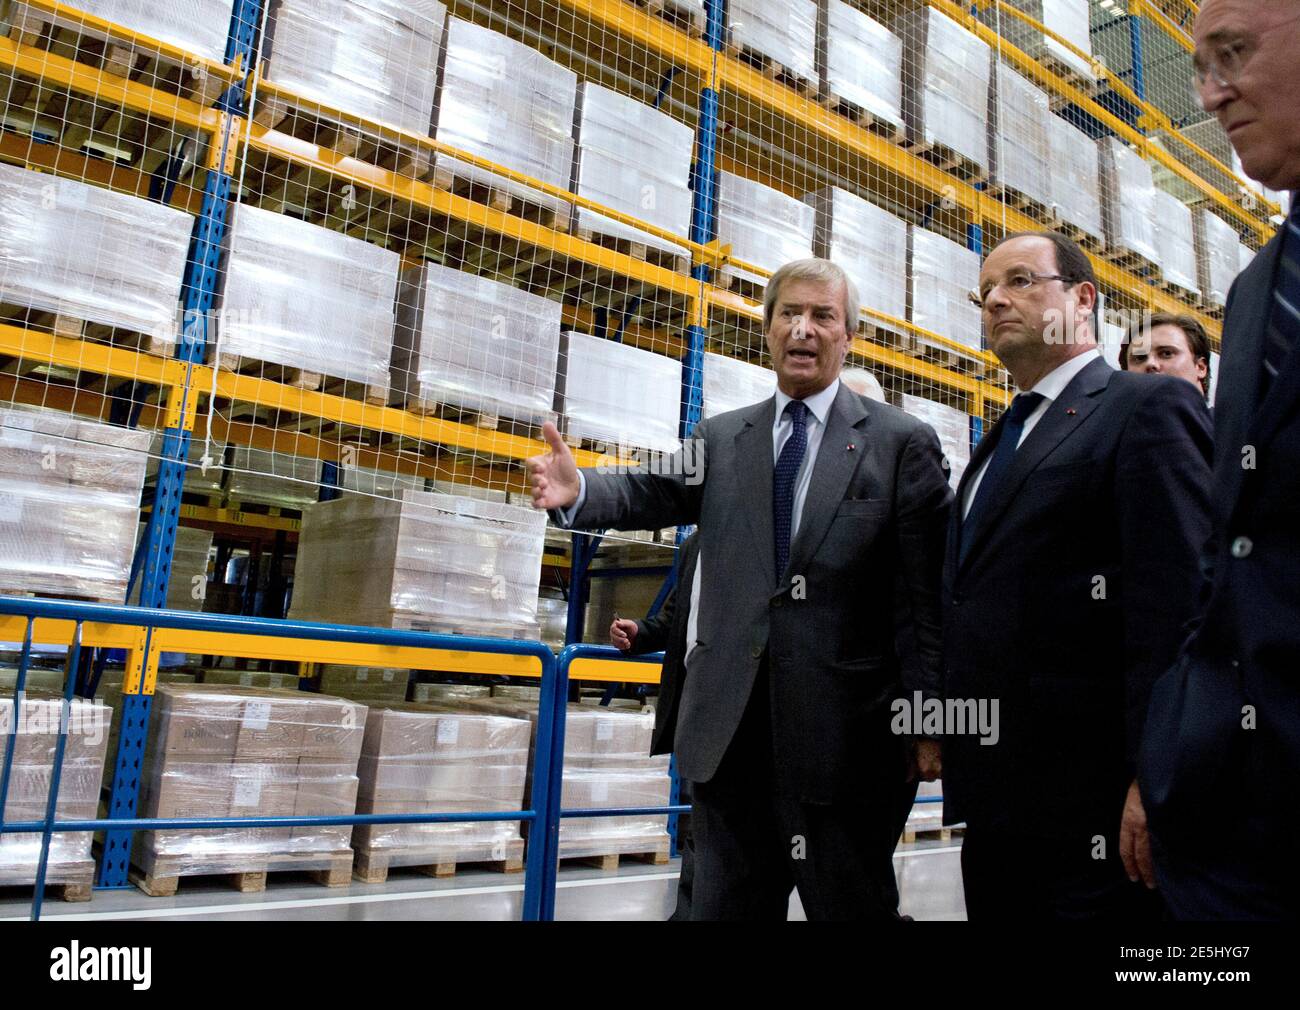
x,y
862,508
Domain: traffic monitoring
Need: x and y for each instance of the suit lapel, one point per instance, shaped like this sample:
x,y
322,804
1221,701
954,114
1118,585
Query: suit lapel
x,y
982,452
753,475
1063,417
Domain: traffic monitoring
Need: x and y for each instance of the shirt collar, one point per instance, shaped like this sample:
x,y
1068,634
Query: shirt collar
x,y
1053,384
819,403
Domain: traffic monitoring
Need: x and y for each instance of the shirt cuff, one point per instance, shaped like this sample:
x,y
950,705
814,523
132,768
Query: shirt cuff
x,y
567,516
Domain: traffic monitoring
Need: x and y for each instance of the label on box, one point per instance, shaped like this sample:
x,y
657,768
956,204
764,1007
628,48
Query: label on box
x,y
604,729
363,676
257,715
599,791
246,680
11,508
448,731
248,793
388,676
17,438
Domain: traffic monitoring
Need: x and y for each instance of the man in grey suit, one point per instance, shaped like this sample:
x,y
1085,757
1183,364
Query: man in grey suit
x,y
821,519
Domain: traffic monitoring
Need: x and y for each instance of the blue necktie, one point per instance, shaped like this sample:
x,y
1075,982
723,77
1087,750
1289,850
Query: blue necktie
x,y
783,481
1284,323
1004,454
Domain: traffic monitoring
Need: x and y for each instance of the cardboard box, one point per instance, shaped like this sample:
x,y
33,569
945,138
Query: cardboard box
x,y
333,728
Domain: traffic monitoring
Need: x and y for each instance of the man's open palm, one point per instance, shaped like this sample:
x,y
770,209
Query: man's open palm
x,y
553,476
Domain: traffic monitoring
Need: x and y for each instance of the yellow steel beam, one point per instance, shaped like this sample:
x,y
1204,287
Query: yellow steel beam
x,y
615,670
48,632
87,356
1175,32
235,517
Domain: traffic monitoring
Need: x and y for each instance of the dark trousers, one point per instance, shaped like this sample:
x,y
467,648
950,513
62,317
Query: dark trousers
x,y
686,846
1015,877
755,840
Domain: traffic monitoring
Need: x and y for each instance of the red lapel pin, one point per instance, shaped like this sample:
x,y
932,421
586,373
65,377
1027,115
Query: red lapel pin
x,y
851,447
1071,411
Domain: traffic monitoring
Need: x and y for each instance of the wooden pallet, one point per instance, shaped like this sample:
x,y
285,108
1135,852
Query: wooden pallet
x,y
1085,240
1213,311
70,881
75,328
1184,295
1130,261
943,834
162,878
667,259
108,599
656,857
301,378
864,118
372,866
307,122
945,158
773,70
682,17
1027,205
1080,82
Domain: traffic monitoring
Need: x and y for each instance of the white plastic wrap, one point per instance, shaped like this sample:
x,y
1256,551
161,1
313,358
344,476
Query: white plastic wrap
x,y
475,343
763,226
863,63
635,160
384,483
69,504
951,425
1066,18
91,254
1175,241
1019,142
197,26
30,782
945,83
273,478
448,694
189,562
730,384
364,684
784,32
374,58
1075,177
1128,199
620,394
553,616
869,243
428,759
429,561
218,750
942,275
196,479
504,101
1218,255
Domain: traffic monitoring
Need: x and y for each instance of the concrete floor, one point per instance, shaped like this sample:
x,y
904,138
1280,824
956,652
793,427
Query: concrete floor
x,y
929,877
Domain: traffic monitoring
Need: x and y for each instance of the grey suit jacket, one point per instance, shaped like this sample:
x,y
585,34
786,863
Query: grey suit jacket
x,y
869,551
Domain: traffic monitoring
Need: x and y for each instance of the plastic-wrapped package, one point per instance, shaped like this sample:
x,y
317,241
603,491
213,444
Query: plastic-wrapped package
x,y
945,84
69,504
197,26
377,59
197,477
941,276
425,561
448,694
1075,177
862,63
763,226
553,617
270,680
365,684
730,384
1067,18
619,394
432,759
1175,241
636,160
516,692
869,243
91,254
1019,145
784,32
218,750
189,562
384,483
1217,254
951,425
301,296
476,344
109,692
1245,257
272,478
1128,199
504,101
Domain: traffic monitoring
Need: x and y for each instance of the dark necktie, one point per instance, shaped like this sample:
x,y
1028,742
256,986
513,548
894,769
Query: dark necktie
x,y
1004,453
783,481
1284,323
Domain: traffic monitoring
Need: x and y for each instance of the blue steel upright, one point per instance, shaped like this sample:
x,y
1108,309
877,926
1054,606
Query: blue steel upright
x,y
197,294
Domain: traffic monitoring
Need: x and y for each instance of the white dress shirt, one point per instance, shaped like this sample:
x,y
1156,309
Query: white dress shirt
x,y
1050,387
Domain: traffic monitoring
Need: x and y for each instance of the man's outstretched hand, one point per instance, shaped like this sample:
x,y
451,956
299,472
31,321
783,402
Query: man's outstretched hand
x,y
553,476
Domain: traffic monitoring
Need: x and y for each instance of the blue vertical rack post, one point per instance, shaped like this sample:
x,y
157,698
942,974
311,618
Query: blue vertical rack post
x,y
197,293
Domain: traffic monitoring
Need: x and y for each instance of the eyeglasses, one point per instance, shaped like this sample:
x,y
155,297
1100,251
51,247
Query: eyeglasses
x,y
1223,66
1019,283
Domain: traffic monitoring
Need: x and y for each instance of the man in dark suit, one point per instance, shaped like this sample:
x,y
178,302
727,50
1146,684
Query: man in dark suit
x,y
1222,745
1071,568
818,510
669,632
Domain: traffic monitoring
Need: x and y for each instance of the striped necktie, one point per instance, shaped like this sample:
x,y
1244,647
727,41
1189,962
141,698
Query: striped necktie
x,y
1284,323
783,481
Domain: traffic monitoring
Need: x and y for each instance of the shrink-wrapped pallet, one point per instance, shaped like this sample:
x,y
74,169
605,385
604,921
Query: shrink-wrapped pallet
x,y
945,84
1067,19
1128,199
425,561
197,26
764,227
420,759
951,425
869,243
377,59
91,255
553,618
941,276
474,343
785,33
69,504
365,684
271,680
205,462
1019,144
862,64
384,483
1075,177
730,384
272,478
187,583
1175,242
448,694
224,750
621,395
505,102
109,691
30,780
636,160
1218,255
306,298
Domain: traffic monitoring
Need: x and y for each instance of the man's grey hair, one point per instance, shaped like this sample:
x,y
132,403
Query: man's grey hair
x,y
823,271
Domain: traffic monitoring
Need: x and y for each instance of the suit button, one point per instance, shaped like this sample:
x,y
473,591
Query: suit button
x,y
1241,547
956,601
776,602
756,652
